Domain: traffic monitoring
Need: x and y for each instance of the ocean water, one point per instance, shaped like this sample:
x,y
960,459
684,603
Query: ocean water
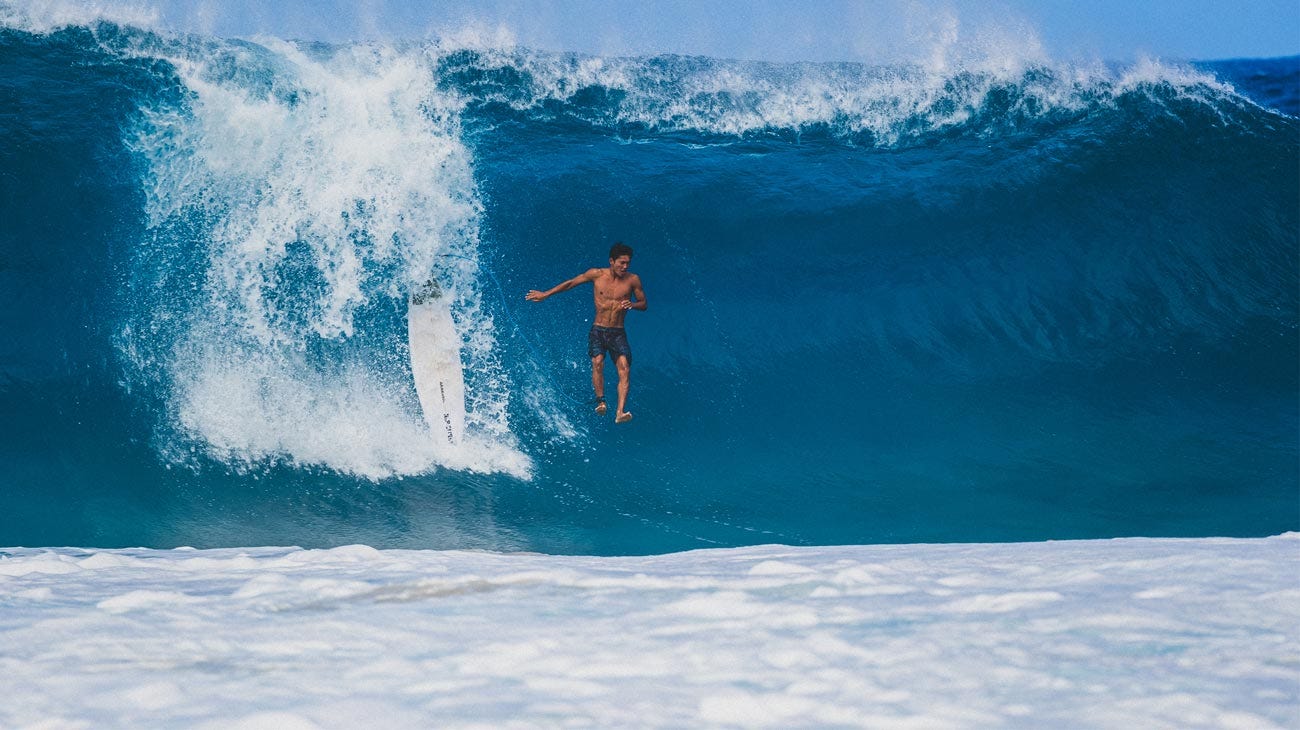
x,y
1008,300
992,301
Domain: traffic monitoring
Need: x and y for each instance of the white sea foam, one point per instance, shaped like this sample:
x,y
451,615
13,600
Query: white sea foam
x,y
940,89
45,16
1124,633
250,408
327,183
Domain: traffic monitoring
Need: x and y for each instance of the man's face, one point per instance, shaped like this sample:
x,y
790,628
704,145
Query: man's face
x,y
620,264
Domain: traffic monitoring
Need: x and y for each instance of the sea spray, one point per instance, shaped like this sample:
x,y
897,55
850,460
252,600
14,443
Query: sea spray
x,y
321,186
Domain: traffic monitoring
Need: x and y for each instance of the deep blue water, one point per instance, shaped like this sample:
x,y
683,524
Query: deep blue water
x,y
886,304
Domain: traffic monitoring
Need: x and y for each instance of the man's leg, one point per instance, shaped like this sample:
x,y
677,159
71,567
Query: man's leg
x,y
624,366
598,381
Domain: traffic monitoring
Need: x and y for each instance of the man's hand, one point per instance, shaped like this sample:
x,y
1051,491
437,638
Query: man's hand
x,y
534,296
625,305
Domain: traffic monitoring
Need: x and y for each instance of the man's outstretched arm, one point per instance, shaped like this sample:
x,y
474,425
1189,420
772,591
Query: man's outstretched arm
x,y
537,296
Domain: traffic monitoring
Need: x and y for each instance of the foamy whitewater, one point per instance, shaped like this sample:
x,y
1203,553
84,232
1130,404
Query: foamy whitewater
x,y
1131,633
966,396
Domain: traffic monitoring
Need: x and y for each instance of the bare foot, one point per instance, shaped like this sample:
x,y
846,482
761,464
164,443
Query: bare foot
x,y
601,408
623,417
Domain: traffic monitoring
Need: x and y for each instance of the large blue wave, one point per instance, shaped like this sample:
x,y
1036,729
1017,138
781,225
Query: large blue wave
x,y
1011,301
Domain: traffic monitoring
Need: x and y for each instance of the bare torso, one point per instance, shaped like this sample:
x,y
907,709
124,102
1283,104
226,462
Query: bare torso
x,y
609,294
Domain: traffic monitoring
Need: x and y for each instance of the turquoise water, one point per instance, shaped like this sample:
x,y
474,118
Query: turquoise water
x,y
886,304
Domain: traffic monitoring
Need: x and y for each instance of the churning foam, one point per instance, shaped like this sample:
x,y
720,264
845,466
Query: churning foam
x,y
321,185
947,80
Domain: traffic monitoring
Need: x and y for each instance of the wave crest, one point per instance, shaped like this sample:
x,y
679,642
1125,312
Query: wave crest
x,y
885,106
314,188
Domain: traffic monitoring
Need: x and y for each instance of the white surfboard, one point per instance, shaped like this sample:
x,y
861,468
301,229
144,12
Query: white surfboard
x,y
435,363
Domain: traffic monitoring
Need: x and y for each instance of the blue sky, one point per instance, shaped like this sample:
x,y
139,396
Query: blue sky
x,y
783,30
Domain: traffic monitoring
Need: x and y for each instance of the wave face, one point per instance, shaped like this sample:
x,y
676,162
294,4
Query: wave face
x,y
1020,301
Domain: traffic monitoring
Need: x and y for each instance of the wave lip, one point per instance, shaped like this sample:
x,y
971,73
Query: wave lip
x,y
883,106
314,191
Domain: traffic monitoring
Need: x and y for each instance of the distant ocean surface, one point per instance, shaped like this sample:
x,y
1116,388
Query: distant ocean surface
x,y
1002,301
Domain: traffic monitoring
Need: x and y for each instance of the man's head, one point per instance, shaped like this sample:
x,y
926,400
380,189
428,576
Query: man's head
x,y
620,249
620,256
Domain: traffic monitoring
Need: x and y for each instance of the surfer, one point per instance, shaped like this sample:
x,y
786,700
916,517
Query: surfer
x,y
616,291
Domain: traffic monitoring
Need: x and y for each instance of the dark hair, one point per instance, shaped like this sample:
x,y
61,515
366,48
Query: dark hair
x,y
620,249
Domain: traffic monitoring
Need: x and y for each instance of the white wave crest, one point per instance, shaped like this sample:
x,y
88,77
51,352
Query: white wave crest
x,y
47,16
946,88
325,184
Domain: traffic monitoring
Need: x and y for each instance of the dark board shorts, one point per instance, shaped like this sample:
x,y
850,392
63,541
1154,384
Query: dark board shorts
x,y
608,339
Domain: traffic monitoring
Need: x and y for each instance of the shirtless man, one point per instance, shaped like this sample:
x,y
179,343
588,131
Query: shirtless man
x,y
615,290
